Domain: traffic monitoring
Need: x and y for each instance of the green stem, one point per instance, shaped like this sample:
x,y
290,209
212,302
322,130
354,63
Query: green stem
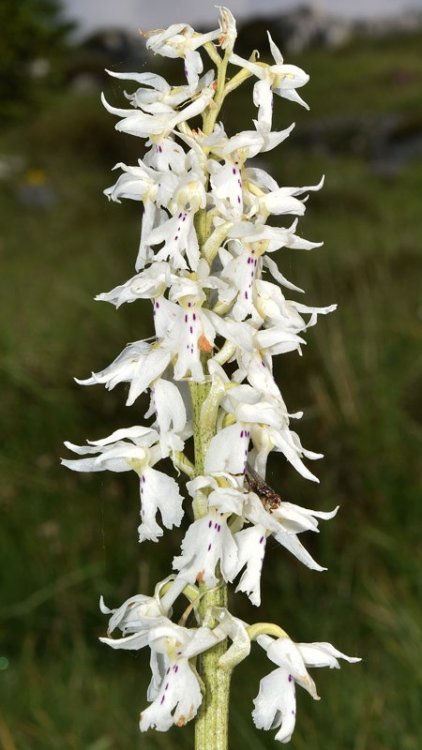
x,y
213,112
199,392
211,726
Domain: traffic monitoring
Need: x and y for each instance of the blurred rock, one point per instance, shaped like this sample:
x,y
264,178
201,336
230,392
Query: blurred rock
x,y
107,48
388,142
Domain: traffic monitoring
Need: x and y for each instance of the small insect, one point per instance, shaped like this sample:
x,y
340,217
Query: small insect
x,y
269,498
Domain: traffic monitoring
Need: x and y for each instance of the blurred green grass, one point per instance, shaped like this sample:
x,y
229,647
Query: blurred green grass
x,y
65,539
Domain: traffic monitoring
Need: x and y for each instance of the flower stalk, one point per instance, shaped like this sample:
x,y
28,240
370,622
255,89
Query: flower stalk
x,y
211,725
205,263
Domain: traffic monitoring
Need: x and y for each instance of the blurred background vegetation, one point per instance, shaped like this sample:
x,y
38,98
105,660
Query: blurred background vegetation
x,y
66,538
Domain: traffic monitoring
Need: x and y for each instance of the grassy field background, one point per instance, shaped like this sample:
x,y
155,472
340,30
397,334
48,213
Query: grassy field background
x,y
65,539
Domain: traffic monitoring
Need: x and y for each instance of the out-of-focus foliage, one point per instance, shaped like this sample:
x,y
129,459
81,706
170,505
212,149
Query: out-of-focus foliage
x,y
33,44
65,538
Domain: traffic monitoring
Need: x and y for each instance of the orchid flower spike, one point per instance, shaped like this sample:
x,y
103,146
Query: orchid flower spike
x,y
210,266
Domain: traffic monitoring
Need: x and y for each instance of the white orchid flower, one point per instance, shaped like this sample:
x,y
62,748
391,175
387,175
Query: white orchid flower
x,y
282,319
165,155
281,440
262,300
175,690
194,327
243,145
240,268
179,237
159,126
264,196
266,421
264,238
228,31
135,449
135,617
184,330
181,40
155,96
138,614
178,232
139,364
154,188
280,79
284,522
209,542
275,705
151,283
227,179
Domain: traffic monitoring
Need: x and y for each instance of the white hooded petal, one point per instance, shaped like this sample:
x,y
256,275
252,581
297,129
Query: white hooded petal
x,y
295,519
239,333
133,613
283,440
286,654
279,202
149,284
166,156
228,31
135,618
323,655
138,364
145,79
139,434
147,370
228,450
227,500
138,123
117,456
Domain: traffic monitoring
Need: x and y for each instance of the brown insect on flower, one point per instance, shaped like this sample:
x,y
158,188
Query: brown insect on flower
x,y
269,497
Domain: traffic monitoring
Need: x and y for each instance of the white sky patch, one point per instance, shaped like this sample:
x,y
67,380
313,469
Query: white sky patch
x,y
144,14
